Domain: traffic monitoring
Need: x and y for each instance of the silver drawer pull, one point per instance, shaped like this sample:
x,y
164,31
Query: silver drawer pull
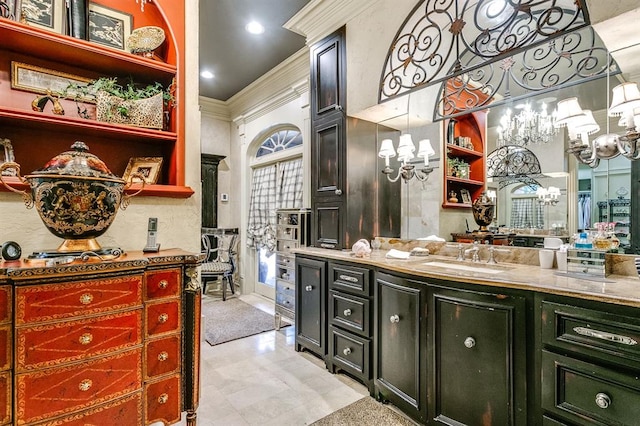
x,y
325,245
86,298
85,385
308,288
394,319
603,400
85,339
163,356
162,318
347,312
163,284
348,278
617,338
162,399
469,342
346,351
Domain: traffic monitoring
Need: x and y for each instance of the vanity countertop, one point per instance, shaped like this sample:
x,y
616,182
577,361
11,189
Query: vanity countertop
x,y
618,289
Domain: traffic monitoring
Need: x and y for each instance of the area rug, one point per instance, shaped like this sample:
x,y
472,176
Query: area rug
x,y
234,319
365,411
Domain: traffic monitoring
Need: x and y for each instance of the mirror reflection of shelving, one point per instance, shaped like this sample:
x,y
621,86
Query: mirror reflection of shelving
x,y
617,211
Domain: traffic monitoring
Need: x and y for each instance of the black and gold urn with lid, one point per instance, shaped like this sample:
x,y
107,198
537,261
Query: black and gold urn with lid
x,y
483,209
76,196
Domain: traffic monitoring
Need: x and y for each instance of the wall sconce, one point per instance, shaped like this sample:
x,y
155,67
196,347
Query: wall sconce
x,y
580,124
548,196
406,148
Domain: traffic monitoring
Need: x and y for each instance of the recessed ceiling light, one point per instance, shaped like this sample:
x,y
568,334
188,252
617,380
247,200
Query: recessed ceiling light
x,y
206,74
254,27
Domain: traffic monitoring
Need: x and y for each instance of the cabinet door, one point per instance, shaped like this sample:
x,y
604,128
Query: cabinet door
x,y
328,91
400,364
311,305
479,374
328,225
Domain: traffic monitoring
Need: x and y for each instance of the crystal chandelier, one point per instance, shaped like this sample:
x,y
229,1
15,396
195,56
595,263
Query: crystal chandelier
x,y
527,127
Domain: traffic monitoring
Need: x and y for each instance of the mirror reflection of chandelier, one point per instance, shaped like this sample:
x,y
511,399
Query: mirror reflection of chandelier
x,y
526,127
548,196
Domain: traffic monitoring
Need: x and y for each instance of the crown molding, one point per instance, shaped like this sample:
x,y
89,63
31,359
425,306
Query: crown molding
x,y
275,101
322,17
213,108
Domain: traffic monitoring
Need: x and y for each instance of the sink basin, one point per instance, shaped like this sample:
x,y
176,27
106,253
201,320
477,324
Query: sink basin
x,y
465,267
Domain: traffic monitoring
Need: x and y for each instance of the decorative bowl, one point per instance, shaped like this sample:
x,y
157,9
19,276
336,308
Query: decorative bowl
x,y
145,39
76,196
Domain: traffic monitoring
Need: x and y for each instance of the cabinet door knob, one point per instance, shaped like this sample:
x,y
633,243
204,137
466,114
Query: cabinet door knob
x,y
162,399
347,312
163,356
469,342
86,298
394,319
85,339
163,284
346,351
603,400
162,318
338,191
308,288
85,385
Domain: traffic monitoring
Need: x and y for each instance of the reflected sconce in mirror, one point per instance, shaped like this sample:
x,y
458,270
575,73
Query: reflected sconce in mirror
x,y
580,124
548,197
406,148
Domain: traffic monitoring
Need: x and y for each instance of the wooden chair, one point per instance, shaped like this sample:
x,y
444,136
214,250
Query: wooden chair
x,y
220,260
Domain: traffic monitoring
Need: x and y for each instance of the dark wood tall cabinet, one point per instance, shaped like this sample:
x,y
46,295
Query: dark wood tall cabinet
x,y
345,169
209,177
311,306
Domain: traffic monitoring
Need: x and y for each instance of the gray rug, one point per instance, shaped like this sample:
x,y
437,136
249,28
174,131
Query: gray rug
x,y
365,411
234,319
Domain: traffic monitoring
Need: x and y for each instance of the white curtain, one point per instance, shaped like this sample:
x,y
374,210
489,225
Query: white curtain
x,y
262,209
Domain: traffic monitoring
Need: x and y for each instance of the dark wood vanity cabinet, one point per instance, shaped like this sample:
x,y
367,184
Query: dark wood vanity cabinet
x,y
590,362
311,302
400,344
477,357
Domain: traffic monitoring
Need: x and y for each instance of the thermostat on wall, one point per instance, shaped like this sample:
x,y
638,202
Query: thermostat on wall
x,y
224,197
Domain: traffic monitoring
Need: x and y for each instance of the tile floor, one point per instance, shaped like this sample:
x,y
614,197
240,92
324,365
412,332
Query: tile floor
x,y
262,380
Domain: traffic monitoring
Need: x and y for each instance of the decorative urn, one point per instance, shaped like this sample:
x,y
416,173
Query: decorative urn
x,y
76,196
483,209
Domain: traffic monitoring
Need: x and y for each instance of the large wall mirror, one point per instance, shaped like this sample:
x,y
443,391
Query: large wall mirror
x,y
579,193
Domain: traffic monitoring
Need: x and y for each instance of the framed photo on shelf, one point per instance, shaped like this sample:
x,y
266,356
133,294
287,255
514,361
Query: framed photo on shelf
x,y
148,167
45,14
109,27
31,78
10,9
466,196
6,156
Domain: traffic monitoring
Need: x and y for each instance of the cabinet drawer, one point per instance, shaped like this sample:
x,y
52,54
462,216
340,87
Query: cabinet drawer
x,y
52,344
286,300
350,352
285,288
59,301
160,284
587,393
286,273
162,401
162,356
350,312
286,260
591,332
122,412
76,387
5,303
350,279
6,345
5,397
285,246
162,318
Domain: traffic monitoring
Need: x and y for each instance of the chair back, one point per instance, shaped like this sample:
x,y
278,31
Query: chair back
x,y
220,248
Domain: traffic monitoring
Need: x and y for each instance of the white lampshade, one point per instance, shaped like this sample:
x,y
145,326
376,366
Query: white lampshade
x,y
568,110
553,192
386,149
425,149
625,97
636,118
406,148
585,124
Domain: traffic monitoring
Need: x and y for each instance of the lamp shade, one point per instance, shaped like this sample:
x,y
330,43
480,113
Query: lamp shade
x,y
584,124
625,97
406,148
636,118
425,149
568,111
386,149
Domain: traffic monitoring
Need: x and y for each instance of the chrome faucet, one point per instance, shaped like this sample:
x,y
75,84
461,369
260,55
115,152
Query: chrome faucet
x,y
475,249
492,255
460,252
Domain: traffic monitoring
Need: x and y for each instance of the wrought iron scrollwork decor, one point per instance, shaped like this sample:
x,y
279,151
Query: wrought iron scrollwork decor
x,y
513,163
427,48
573,58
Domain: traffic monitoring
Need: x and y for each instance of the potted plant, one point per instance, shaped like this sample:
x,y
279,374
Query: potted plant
x,y
130,104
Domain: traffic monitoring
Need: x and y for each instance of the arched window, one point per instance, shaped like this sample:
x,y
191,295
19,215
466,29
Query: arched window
x,y
280,141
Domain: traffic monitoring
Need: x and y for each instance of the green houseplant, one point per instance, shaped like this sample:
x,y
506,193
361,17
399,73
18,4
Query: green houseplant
x,y
130,104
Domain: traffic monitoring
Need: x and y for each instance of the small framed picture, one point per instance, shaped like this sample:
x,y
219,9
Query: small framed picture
x,y
109,27
147,167
31,78
466,196
6,156
45,14
10,9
